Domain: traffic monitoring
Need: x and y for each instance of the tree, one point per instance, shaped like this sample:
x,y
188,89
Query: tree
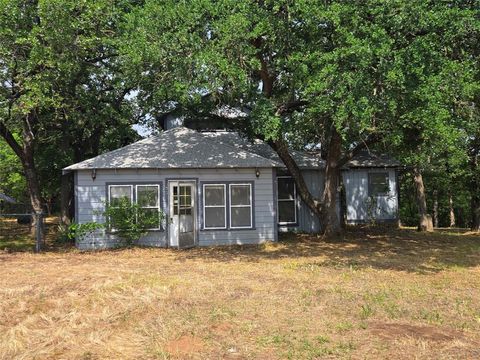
x,y
302,70
12,181
60,88
333,75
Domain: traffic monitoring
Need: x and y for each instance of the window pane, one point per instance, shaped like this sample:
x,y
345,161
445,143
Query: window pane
x,y
175,205
286,188
119,192
214,217
378,184
147,195
286,211
241,217
150,217
186,211
185,200
214,195
240,194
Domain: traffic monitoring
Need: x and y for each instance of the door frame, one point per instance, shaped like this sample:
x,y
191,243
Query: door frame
x,y
194,182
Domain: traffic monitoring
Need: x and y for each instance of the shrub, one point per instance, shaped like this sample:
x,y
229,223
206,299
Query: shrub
x,y
130,221
76,231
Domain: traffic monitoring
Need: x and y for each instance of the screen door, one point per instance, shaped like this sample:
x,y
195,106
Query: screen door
x,y
182,214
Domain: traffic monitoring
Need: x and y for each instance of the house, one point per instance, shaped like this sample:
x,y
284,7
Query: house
x,y
371,188
217,188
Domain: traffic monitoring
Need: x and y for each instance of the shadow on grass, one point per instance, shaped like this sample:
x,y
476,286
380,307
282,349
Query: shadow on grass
x,y
378,248
360,248
16,237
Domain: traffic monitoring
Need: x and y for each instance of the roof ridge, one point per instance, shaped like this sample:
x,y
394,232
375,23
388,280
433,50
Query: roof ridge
x,y
234,148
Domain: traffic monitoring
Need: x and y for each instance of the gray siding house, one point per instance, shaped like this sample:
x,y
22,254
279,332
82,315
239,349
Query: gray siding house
x,y
217,188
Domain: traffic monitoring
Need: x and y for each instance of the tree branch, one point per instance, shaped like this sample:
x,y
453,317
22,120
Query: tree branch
x,y
286,108
364,144
10,139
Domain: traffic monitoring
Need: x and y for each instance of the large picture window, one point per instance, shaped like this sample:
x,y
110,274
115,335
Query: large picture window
x,y
240,206
287,200
378,184
214,206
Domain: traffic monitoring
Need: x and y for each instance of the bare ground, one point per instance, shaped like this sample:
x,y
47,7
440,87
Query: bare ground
x,y
380,293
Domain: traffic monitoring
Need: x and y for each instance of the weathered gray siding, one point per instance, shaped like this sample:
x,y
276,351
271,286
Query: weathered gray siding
x,y
357,197
306,220
91,196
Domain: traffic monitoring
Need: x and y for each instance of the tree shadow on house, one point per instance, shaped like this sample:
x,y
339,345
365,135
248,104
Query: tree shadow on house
x,y
363,247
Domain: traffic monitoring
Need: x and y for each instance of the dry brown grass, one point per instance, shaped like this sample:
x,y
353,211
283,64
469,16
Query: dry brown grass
x,y
378,294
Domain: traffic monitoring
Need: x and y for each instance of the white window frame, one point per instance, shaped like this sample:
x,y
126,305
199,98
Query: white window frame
x,y
240,206
109,198
215,206
294,202
150,207
119,185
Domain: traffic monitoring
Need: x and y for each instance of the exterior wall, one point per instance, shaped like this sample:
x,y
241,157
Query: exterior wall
x,y
91,196
306,220
357,197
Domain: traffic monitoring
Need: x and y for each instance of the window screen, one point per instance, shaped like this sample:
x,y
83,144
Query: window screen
x,y
148,200
287,200
240,205
119,192
214,206
378,184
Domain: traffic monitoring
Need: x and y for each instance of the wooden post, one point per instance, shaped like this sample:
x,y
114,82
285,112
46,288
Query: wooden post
x,y
38,231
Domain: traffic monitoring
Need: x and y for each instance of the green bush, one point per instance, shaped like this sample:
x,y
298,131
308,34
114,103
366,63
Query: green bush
x,y
130,221
68,234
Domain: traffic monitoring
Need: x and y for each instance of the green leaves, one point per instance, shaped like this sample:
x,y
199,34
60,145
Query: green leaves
x,y
130,221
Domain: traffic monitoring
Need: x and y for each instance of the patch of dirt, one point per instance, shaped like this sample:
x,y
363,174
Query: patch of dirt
x,y
222,329
393,331
185,345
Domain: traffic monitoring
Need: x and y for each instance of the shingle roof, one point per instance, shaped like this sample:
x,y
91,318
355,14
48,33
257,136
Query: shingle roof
x,y
368,159
177,148
303,159
185,148
7,198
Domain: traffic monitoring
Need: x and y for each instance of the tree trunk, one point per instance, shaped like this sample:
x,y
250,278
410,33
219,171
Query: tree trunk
x,y
281,148
332,226
435,208
425,219
450,210
31,177
475,207
66,199
475,192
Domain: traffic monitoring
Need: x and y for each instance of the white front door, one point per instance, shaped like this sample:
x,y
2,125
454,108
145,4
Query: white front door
x,y
181,225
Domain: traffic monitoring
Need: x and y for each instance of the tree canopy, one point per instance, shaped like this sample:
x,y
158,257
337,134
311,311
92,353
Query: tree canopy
x,y
333,76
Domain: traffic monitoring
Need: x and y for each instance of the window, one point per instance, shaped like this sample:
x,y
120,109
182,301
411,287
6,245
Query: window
x,y
378,184
182,200
214,206
147,197
240,206
287,200
148,200
119,192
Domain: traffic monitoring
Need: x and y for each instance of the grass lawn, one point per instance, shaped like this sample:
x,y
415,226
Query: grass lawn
x,y
379,294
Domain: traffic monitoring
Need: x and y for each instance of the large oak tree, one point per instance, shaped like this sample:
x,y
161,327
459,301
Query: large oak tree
x,y
338,75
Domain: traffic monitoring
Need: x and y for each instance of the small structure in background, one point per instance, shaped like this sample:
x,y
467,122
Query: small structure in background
x,y
6,202
371,189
